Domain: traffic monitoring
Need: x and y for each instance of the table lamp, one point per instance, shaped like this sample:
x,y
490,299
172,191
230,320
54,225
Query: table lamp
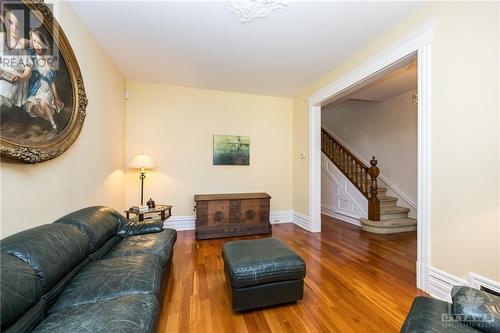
x,y
142,162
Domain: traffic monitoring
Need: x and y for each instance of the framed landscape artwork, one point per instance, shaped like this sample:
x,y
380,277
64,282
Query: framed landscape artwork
x,y
231,150
42,96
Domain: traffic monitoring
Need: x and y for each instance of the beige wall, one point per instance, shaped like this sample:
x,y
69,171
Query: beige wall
x,y
387,130
91,170
498,154
175,125
300,146
465,161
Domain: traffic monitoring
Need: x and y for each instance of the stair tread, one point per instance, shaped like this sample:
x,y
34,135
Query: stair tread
x,y
386,198
393,210
398,222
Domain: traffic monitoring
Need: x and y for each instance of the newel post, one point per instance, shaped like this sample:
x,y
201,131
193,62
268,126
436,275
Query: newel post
x,y
373,202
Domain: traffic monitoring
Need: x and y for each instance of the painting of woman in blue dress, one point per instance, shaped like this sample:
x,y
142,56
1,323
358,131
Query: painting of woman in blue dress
x,y
42,94
36,94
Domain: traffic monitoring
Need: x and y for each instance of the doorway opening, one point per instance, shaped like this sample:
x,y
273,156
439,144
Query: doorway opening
x,y
373,128
417,43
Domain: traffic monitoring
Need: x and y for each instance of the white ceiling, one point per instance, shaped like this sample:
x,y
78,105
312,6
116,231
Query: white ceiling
x,y
390,85
202,44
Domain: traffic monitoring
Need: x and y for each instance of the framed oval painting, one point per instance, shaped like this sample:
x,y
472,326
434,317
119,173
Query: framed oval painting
x,y
42,96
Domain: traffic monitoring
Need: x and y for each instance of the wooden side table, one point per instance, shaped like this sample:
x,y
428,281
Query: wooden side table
x,y
165,211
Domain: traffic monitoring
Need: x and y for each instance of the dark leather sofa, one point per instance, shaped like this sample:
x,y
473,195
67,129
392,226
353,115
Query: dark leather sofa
x,y
471,311
90,271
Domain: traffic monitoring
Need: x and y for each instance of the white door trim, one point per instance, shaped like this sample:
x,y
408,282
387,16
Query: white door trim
x,y
419,42
315,168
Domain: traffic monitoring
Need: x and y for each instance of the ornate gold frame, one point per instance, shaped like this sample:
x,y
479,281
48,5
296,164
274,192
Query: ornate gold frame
x,y
14,152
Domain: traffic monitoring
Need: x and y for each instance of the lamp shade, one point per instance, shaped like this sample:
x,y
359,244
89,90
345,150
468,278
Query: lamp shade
x,y
143,162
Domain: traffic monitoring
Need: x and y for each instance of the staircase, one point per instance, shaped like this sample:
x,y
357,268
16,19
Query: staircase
x,y
384,215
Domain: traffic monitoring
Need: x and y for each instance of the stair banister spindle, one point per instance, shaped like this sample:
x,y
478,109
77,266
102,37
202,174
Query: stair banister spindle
x,y
364,180
358,174
349,163
354,168
373,201
329,146
332,147
360,177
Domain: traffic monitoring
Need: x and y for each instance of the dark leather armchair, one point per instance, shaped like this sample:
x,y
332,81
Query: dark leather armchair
x,y
89,271
471,310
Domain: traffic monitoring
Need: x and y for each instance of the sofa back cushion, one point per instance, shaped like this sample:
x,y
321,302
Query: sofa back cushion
x,y
99,224
52,250
20,290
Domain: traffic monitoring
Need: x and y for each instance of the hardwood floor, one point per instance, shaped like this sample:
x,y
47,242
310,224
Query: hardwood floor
x,y
356,282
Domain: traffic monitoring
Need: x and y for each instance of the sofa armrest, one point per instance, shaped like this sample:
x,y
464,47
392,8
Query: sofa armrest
x,y
132,228
426,316
476,308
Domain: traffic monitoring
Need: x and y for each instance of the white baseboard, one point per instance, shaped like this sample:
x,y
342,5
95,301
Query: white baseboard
x,y
301,220
440,283
477,281
180,223
281,216
332,212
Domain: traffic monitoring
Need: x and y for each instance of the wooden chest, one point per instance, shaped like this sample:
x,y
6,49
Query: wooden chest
x,y
225,215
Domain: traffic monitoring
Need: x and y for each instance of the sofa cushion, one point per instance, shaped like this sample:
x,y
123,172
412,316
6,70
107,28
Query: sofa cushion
x,y
160,244
20,289
476,308
259,261
97,223
29,320
112,278
133,313
52,250
132,228
111,243
427,314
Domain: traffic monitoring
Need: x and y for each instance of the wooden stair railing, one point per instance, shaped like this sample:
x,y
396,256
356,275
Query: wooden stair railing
x,y
363,177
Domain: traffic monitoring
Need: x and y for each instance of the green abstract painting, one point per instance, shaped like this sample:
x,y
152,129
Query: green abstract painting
x,y
231,150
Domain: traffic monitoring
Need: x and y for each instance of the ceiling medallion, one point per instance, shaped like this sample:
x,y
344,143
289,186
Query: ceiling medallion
x,y
247,10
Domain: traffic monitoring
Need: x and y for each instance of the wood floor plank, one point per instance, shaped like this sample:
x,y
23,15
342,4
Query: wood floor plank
x,y
356,282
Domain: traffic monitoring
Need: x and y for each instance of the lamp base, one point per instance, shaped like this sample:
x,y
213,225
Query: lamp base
x,y
142,176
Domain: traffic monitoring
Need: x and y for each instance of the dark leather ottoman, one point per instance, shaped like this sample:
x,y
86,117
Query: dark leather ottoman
x,y
262,272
